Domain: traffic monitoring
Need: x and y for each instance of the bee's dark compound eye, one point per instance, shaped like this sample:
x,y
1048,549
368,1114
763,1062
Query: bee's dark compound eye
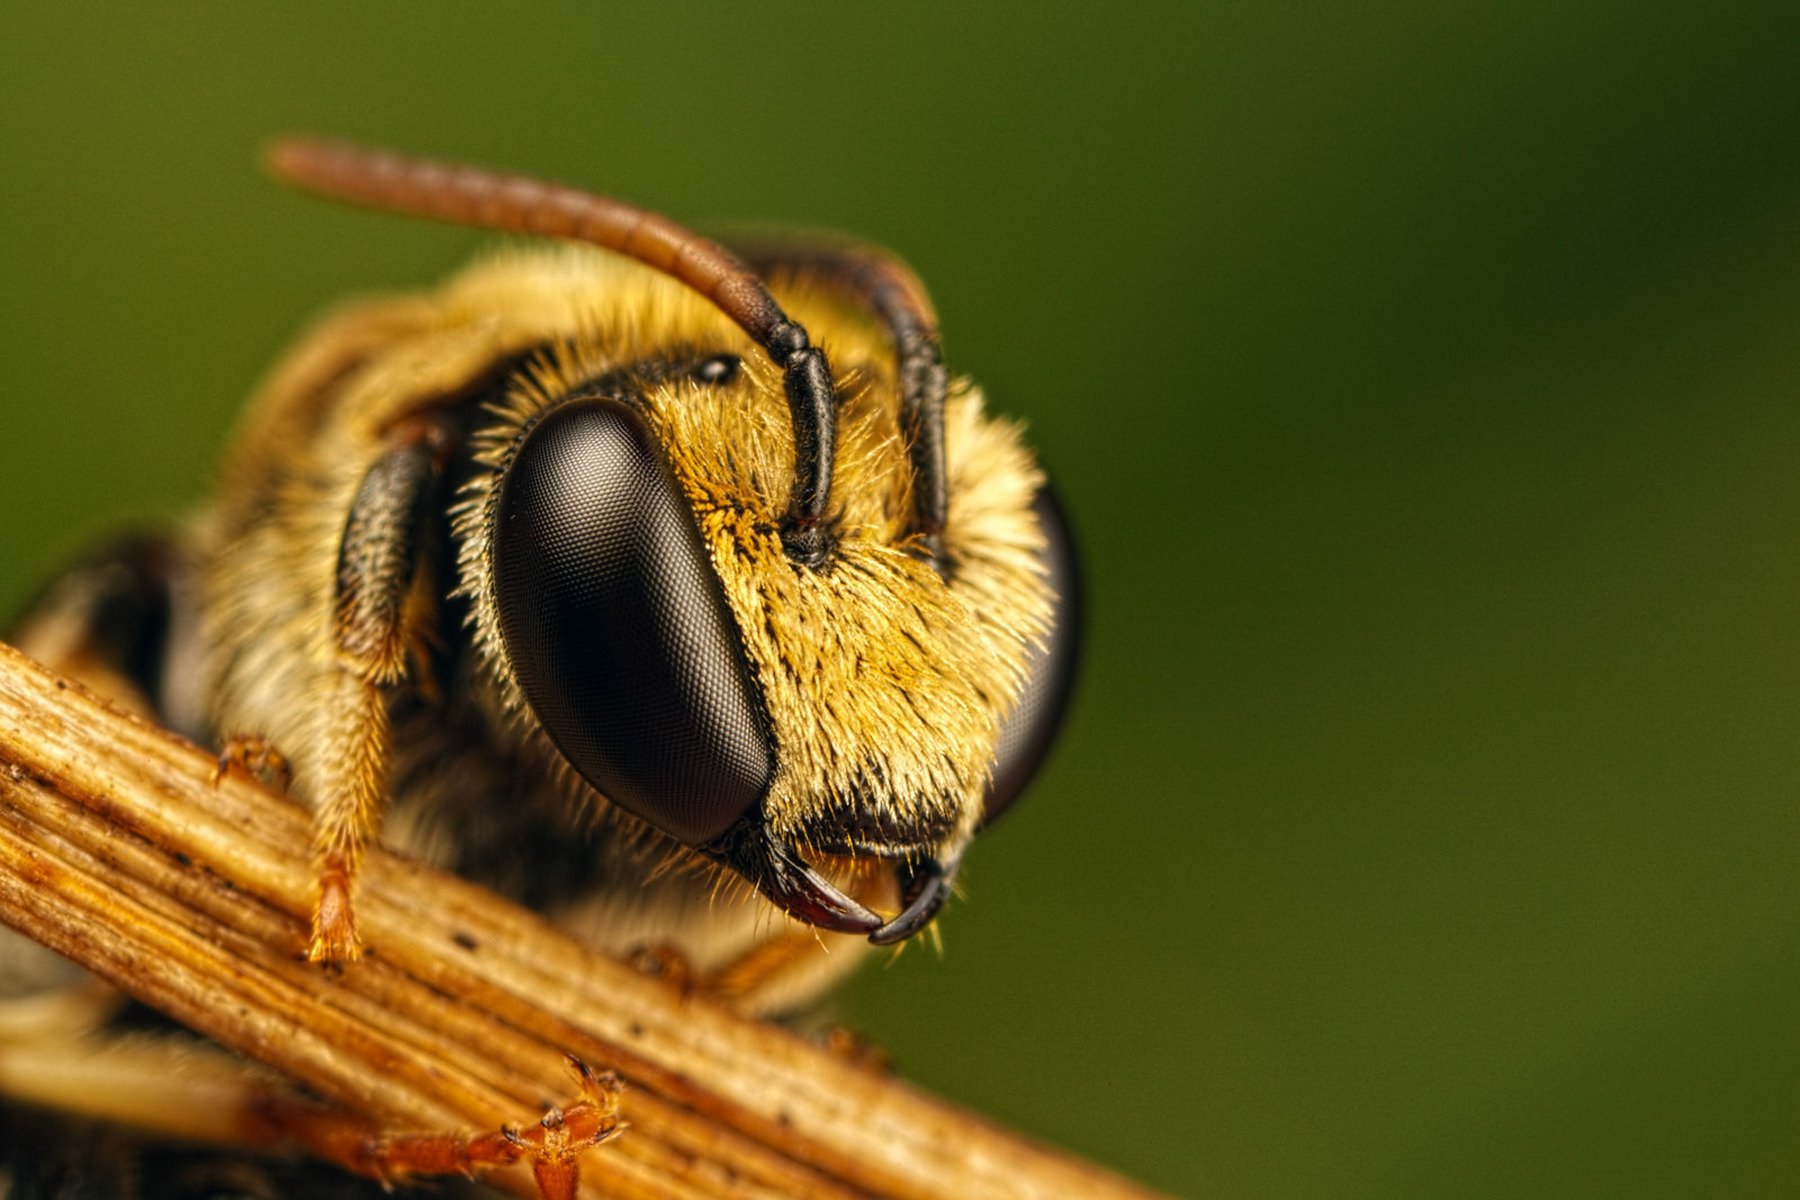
x,y
617,627
1031,727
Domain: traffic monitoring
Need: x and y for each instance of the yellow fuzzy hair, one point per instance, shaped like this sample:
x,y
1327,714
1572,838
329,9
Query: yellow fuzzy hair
x,y
884,684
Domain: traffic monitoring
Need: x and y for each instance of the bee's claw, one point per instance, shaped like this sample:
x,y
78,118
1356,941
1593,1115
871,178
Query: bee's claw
x,y
257,757
553,1146
334,939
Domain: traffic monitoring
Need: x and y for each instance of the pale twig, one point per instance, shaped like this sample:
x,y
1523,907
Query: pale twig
x,y
118,851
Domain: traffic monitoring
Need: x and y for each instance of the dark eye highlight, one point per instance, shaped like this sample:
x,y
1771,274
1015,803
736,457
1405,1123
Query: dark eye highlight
x,y
617,627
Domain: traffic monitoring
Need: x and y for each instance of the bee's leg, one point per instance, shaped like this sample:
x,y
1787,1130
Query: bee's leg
x,y
793,963
376,625
764,970
256,756
847,1045
665,962
169,1086
553,1146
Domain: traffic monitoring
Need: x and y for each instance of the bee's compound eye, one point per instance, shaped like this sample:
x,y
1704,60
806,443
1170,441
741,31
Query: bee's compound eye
x,y
1031,727
617,627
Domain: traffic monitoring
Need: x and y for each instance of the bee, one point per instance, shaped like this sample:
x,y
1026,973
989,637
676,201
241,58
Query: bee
x,y
675,591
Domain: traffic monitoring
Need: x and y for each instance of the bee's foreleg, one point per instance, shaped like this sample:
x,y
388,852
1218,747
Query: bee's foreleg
x,y
375,625
769,973
55,1054
256,756
553,1146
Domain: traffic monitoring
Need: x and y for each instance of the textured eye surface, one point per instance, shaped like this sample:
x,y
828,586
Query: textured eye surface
x,y
617,628
1031,727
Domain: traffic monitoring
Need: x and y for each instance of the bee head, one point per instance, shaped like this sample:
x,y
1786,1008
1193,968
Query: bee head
x,y
798,624
799,724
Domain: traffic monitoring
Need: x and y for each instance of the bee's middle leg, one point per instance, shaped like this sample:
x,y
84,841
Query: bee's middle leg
x,y
553,1146
381,608
56,1053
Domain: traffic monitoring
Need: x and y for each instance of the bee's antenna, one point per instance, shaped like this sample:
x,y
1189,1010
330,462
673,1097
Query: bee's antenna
x,y
517,204
896,298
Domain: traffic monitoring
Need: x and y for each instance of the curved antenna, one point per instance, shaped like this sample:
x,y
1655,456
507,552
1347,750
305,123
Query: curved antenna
x,y
507,203
891,292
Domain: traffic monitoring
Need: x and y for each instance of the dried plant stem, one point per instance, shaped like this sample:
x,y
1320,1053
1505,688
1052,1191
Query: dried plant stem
x,y
117,851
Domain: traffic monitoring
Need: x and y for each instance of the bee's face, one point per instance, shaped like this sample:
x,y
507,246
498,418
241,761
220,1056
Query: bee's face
x,y
622,539
812,624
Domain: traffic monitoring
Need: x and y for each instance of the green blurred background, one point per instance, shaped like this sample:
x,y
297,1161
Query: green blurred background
x,y
1423,380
